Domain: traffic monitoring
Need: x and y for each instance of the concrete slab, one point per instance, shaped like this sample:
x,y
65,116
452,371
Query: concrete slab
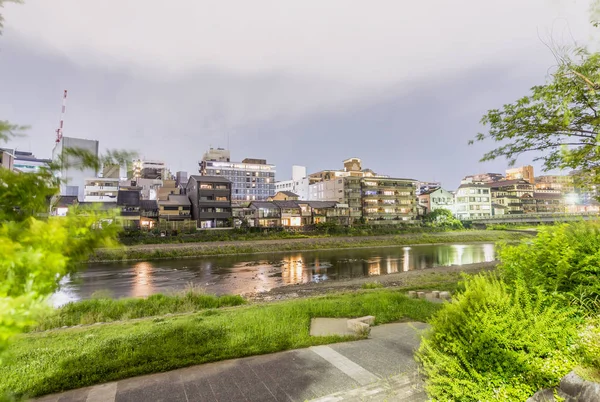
x,y
330,326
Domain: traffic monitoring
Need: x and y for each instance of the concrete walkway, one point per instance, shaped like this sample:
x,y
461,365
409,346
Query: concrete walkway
x,y
381,368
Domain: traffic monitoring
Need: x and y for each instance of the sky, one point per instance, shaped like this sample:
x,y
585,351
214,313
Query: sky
x,y
401,85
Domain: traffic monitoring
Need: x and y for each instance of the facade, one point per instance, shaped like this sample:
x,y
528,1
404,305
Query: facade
x,y
484,178
210,197
7,159
72,176
562,183
284,196
388,200
169,187
251,179
549,203
299,184
424,186
437,198
521,173
148,213
100,190
128,201
150,169
515,195
473,200
174,208
181,179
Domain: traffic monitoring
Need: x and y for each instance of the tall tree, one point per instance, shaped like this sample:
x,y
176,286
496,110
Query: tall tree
x,y
559,121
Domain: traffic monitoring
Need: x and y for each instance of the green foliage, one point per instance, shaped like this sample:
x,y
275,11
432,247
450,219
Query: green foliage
x,y
372,285
443,218
563,259
2,26
559,119
495,342
107,309
58,360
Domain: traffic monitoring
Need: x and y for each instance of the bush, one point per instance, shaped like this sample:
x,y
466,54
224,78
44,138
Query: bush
x,y
495,342
564,260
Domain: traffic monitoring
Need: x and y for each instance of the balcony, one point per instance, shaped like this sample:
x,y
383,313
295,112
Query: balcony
x,y
93,189
100,198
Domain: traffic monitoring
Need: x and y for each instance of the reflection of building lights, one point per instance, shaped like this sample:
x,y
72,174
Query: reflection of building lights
x,y
460,249
488,252
293,270
375,267
406,259
392,265
571,199
142,283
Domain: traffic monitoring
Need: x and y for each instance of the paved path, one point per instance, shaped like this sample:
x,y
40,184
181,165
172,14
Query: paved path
x,y
381,368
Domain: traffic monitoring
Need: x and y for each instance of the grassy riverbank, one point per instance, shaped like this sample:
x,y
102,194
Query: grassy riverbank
x,y
163,251
58,360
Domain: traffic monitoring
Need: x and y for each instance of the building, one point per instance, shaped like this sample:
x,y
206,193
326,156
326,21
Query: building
x,y
150,169
284,196
521,173
424,186
99,189
515,195
549,203
564,184
181,179
473,200
299,184
169,187
148,214
437,198
210,197
174,208
72,172
388,200
484,178
7,159
251,179
128,201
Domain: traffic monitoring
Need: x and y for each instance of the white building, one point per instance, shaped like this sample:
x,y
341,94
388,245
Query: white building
x,y
299,184
251,179
329,190
473,200
73,174
101,189
437,198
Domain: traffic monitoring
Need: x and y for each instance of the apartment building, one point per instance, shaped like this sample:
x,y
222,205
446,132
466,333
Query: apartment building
x,y
515,195
436,198
388,200
251,179
100,189
562,183
174,207
473,200
211,198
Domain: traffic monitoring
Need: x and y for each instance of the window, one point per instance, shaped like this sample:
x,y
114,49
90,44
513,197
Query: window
x,y
221,199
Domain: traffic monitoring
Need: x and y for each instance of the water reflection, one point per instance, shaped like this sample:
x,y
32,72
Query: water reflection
x,y
255,273
142,283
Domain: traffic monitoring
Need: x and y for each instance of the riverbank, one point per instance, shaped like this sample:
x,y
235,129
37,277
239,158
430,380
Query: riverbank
x,y
63,359
189,250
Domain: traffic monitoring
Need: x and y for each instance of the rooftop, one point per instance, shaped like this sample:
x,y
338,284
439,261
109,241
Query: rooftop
x,y
209,179
175,199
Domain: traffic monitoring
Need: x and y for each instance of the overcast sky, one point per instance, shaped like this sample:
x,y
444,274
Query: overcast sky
x,y
400,84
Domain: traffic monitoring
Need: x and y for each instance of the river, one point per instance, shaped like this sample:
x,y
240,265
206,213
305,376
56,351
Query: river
x,y
261,272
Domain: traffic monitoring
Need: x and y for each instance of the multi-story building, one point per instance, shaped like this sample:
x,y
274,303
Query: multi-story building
x,y
181,179
99,189
169,187
72,173
211,200
546,202
174,208
150,169
473,200
437,198
521,173
251,179
561,183
388,200
7,159
515,195
299,184
425,186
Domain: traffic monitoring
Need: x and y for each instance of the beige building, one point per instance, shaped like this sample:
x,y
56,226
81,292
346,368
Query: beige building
x,y
521,173
564,184
388,200
437,198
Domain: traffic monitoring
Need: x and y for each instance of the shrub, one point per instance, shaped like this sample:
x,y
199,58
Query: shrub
x,y
564,260
495,342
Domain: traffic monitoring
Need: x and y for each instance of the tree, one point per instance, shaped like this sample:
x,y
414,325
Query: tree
x,y
559,119
443,218
2,5
37,251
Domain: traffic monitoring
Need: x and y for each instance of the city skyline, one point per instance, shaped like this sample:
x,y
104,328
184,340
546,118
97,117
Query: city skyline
x,y
403,119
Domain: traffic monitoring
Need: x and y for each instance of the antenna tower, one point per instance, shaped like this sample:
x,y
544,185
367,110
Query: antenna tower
x,y
59,130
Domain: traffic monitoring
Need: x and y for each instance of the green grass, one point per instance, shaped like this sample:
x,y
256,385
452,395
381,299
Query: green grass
x,y
208,249
107,310
371,285
54,361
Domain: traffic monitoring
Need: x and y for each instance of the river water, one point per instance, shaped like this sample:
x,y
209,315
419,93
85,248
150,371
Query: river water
x,y
261,272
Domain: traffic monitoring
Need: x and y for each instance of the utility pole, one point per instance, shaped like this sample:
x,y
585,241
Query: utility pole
x,y
59,130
